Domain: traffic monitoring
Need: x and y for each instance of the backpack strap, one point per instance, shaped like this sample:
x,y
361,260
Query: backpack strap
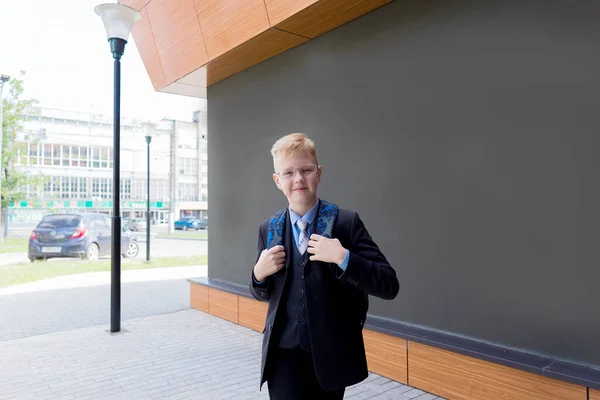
x,y
326,216
276,228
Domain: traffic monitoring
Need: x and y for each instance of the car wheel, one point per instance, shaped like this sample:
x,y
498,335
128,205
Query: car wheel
x,y
92,252
32,259
132,250
185,227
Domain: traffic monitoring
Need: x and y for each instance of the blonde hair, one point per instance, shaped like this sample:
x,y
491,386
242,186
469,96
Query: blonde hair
x,y
292,144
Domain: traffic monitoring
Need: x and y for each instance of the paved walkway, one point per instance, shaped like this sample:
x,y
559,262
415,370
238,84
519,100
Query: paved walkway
x,y
83,300
165,350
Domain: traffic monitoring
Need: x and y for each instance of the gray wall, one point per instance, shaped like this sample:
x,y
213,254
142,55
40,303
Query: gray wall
x,y
466,136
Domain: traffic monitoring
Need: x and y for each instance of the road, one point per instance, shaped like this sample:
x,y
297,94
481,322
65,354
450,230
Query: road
x,y
158,248
24,230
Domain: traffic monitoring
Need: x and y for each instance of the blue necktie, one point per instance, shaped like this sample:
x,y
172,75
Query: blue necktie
x,y
303,238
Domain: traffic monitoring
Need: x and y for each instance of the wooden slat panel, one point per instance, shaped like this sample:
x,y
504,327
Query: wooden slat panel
x,y
256,50
223,305
144,40
594,394
252,313
386,355
280,10
137,4
326,15
228,23
178,37
459,377
199,297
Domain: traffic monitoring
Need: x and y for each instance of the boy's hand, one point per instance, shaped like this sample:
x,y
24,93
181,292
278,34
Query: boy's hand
x,y
269,262
326,250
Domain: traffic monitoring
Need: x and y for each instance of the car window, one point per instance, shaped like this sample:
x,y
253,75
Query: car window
x,y
60,221
97,222
101,223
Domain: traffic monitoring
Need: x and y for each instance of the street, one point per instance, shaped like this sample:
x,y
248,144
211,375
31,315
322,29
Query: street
x,y
24,229
159,247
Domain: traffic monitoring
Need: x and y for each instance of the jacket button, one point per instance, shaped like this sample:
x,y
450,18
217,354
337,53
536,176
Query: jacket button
x,y
348,280
355,283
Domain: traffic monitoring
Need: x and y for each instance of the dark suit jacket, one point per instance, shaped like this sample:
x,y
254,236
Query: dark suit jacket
x,y
337,301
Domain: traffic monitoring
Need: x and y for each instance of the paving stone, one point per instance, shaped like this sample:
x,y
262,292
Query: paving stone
x,y
163,352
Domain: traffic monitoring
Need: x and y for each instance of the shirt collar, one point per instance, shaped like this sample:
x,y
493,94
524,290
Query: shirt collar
x,y
308,217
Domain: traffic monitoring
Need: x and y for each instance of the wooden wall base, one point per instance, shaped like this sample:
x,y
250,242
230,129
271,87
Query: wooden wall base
x,y
441,372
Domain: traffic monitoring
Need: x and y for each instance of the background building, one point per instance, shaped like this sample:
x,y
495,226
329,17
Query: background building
x,y
73,153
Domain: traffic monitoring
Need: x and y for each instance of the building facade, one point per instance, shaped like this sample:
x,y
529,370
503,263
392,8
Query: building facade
x,y
466,135
72,153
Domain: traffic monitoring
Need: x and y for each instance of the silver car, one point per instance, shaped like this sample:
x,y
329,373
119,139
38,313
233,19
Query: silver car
x,y
136,225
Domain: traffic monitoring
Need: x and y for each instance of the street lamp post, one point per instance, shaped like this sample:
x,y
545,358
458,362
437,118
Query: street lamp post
x,y
3,80
149,128
148,140
118,21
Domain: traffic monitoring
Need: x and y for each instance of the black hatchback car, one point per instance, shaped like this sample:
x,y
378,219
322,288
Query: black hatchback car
x,y
82,235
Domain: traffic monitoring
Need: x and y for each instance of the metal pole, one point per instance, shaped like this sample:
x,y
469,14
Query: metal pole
x,y
3,79
148,140
117,47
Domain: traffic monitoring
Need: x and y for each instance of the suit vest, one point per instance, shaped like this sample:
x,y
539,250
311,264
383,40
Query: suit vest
x,y
294,324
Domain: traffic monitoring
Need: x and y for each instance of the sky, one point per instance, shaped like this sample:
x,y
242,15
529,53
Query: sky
x,y
62,46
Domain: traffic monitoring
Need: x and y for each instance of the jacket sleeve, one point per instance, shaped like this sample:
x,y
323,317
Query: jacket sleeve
x,y
260,291
368,269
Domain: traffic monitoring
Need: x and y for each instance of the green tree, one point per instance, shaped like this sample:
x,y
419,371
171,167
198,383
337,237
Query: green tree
x,y
13,177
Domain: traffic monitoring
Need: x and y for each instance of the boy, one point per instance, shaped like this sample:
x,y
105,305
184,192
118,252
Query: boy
x,y
316,265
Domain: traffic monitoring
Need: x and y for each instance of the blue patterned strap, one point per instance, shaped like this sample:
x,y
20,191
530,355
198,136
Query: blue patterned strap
x,y
326,219
327,215
276,228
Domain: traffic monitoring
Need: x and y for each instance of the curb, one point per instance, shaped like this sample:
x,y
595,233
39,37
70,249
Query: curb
x,y
179,238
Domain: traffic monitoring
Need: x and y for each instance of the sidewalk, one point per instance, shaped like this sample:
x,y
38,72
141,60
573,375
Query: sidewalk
x,y
165,349
103,278
182,355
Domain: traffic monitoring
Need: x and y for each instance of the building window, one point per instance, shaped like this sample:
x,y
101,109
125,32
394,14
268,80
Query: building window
x,y
74,156
188,166
65,188
83,157
102,187
125,188
47,154
66,156
33,153
56,154
83,187
96,157
188,192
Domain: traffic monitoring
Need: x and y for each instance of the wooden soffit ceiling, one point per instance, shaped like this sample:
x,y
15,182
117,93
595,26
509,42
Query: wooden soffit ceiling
x,y
188,45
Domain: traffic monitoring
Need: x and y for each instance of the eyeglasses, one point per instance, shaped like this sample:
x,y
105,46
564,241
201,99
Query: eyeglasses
x,y
305,170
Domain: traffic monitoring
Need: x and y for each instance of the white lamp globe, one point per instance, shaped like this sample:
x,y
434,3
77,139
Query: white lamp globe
x,y
118,19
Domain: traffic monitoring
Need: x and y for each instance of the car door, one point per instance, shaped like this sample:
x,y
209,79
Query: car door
x,y
108,223
103,234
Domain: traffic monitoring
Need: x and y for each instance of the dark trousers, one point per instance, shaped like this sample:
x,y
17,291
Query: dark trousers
x,y
292,377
